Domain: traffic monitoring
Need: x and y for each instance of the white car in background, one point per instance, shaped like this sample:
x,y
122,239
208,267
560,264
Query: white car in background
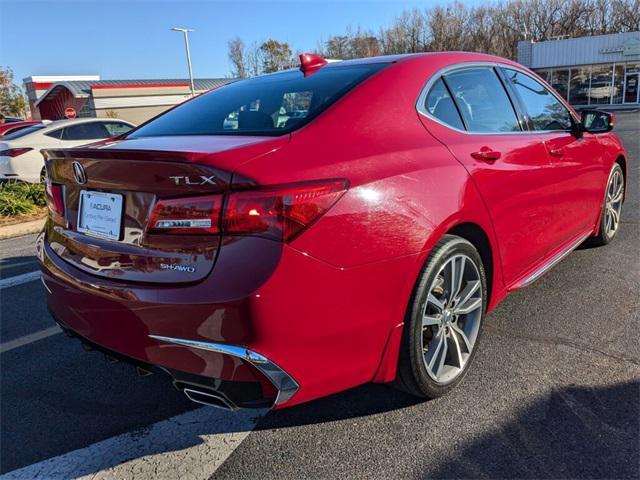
x,y
20,157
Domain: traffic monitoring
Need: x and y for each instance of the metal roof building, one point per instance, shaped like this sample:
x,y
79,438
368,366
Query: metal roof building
x,y
55,98
602,70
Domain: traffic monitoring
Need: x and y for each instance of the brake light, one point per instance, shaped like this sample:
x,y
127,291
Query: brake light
x,y
279,213
195,215
55,199
14,152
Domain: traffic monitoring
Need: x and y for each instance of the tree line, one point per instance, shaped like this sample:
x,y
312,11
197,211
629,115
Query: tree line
x,y
495,28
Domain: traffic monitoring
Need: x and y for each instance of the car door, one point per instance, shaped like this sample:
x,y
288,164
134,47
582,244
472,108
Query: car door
x,y
577,160
468,110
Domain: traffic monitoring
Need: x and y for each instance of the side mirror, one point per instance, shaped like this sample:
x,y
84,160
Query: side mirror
x,y
596,121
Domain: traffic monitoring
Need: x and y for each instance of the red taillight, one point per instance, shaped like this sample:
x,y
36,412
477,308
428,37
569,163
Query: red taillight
x,y
55,199
279,213
14,152
195,215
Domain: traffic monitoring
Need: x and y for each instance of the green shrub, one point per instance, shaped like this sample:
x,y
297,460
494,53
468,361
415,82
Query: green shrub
x,y
17,198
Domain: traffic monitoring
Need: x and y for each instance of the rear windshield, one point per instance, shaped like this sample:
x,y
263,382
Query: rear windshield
x,y
268,105
22,132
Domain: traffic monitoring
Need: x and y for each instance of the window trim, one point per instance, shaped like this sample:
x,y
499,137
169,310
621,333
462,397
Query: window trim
x,y
495,65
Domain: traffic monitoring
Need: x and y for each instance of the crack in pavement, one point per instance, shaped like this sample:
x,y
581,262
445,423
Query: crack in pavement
x,y
565,342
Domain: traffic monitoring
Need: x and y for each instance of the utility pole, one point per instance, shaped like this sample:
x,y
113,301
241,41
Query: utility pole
x,y
185,32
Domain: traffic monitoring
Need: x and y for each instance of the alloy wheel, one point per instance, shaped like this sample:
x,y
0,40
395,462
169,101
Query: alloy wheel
x,y
451,318
613,203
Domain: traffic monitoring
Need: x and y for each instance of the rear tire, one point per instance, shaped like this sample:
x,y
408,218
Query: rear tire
x,y
611,208
444,320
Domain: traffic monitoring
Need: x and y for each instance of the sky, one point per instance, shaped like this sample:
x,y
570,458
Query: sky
x,y
119,39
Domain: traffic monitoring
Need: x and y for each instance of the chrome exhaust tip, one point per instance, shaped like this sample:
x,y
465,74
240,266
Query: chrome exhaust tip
x,y
208,398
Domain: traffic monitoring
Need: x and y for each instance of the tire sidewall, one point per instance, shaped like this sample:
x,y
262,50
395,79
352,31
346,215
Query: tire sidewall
x,y
451,246
603,237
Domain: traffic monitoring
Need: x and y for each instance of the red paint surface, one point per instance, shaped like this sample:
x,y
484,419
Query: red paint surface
x,y
328,307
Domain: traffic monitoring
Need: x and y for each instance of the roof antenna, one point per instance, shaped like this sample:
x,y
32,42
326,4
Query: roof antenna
x,y
310,63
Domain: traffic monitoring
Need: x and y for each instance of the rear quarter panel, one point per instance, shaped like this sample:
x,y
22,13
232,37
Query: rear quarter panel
x,y
406,191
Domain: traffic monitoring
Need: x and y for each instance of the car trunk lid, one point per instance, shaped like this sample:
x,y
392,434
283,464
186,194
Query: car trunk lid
x,y
138,174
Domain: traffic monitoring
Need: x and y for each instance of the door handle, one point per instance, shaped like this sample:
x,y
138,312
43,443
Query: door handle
x,y
486,154
557,152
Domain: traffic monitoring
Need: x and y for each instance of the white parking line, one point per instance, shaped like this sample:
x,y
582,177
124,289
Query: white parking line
x,y
19,279
27,339
192,445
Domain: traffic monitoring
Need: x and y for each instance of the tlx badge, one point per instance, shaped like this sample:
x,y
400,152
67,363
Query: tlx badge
x,y
200,180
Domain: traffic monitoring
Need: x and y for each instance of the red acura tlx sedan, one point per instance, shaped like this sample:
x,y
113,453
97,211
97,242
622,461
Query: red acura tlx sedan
x,y
297,234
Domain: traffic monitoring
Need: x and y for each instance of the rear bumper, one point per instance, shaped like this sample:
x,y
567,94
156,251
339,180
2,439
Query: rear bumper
x,y
12,169
131,322
266,315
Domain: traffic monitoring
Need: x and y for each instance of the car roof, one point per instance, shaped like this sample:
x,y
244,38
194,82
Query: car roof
x,y
455,56
76,121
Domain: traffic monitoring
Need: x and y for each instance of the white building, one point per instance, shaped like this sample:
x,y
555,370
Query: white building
x,y
602,70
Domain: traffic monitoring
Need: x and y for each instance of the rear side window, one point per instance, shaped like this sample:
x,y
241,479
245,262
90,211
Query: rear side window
x,y
482,100
267,105
85,131
440,105
544,109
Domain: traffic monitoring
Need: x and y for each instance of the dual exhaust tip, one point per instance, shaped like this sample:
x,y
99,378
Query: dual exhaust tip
x,y
208,397
194,393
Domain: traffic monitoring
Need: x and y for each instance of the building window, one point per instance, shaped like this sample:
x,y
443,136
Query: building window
x,y
601,86
618,84
631,80
545,74
579,85
560,82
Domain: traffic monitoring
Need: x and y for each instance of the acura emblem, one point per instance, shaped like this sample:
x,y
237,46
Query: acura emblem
x,y
78,173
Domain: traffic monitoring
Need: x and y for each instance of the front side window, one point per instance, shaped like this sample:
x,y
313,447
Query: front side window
x,y
86,131
268,105
440,105
482,100
544,109
117,128
55,133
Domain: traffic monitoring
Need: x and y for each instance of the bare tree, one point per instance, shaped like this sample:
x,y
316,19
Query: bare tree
x,y
275,56
493,27
12,99
237,58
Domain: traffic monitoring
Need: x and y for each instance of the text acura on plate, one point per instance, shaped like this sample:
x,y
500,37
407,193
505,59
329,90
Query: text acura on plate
x,y
297,234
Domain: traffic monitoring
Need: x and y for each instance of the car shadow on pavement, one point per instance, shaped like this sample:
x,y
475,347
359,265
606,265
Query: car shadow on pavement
x,y
12,266
575,432
361,401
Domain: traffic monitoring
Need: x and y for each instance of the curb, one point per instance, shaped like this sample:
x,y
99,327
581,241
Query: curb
x,y
20,229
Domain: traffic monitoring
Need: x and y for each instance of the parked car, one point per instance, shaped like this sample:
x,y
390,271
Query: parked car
x,y
9,128
263,263
20,157
11,119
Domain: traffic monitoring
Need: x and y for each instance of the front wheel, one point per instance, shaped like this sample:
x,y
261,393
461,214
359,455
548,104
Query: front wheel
x,y
611,207
444,320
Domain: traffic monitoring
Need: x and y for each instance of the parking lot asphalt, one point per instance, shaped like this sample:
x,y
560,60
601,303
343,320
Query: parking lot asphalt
x,y
554,393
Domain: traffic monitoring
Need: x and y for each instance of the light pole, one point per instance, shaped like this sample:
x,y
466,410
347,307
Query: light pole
x,y
186,31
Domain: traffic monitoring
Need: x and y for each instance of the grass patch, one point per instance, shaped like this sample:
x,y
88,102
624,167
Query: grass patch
x,y
19,198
